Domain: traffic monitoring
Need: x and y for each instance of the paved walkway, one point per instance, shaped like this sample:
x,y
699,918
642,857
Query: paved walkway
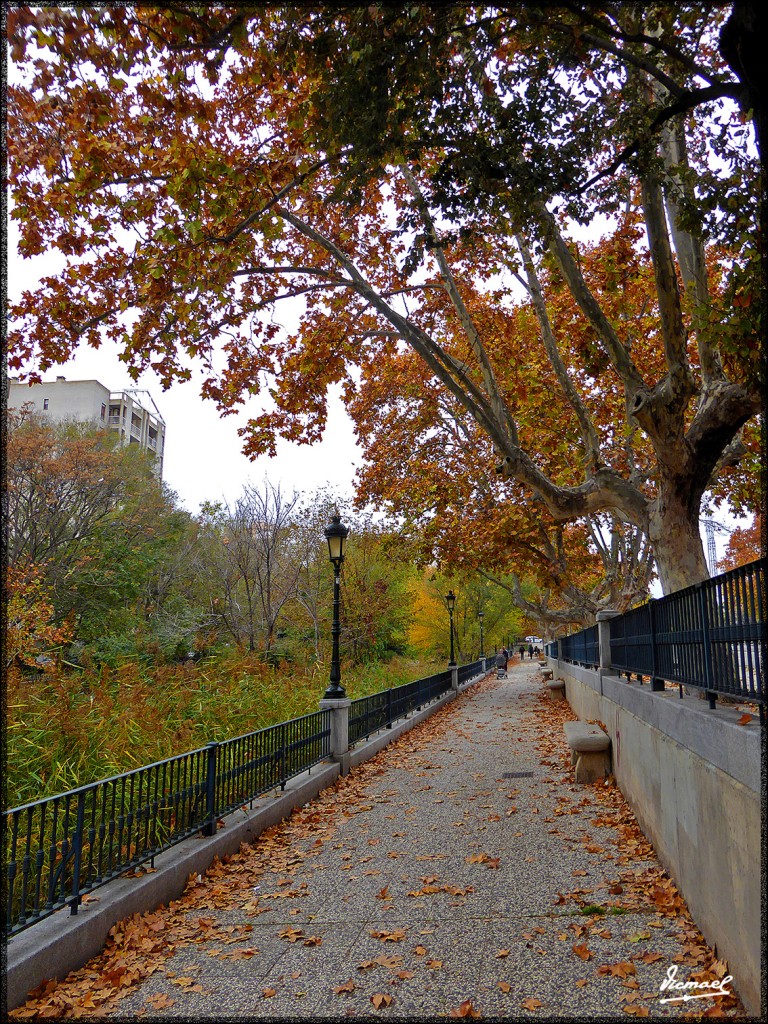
x,y
446,877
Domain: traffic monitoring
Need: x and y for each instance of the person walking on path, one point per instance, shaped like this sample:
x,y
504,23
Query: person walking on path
x,y
530,651
451,875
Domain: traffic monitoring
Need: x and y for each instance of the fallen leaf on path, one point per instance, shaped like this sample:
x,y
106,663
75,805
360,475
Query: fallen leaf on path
x,y
582,951
466,1009
389,961
161,1001
380,999
620,970
530,1004
348,986
396,936
651,958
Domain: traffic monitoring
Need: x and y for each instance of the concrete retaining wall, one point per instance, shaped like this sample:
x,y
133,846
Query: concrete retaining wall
x,y
693,778
65,942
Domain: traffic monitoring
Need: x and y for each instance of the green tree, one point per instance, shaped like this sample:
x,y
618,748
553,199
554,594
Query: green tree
x,y
376,606
101,535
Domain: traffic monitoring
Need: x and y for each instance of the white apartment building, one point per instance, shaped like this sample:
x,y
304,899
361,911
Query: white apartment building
x,y
131,413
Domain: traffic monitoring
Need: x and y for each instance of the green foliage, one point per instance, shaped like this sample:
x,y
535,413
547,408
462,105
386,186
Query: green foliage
x,y
66,729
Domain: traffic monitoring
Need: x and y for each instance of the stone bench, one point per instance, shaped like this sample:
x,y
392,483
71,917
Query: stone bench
x,y
547,673
590,750
556,689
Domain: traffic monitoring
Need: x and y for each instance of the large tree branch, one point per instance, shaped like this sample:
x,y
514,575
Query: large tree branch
x,y
713,436
689,245
689,101
500,408
590,307
678,386
446,368
271,204
588,432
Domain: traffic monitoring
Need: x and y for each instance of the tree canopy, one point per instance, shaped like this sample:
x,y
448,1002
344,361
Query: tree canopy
x,y
417,180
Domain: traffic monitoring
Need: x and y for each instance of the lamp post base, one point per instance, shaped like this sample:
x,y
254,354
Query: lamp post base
x,y
335,692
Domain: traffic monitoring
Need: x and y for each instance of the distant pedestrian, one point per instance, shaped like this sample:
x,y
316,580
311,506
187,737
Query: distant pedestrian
x,y
505,652
522,653
501,663
530,651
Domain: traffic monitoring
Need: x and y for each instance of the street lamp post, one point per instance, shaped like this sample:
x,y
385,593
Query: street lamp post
x,y
450,600
336,534
480,616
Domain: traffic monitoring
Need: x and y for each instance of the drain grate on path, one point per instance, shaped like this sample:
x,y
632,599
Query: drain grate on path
x,y
517,775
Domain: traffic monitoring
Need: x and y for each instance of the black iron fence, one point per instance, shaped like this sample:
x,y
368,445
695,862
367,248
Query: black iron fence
x,y
369,714
582,647
709,637
61,848
467,672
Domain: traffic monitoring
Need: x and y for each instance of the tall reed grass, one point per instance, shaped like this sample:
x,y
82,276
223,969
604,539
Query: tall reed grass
x,y
67,729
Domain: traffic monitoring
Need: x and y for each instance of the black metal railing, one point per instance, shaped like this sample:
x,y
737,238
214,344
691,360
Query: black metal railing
x,y
379,710
467,672
583,647
369,714
60,848
709,637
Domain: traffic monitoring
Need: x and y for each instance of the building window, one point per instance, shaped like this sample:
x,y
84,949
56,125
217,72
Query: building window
x,y
45,402
103,411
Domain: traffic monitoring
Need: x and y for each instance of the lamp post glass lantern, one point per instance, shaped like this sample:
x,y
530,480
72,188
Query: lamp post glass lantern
x,y
450,600
336,534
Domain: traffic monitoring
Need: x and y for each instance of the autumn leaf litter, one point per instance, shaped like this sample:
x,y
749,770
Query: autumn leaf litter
x,y
437,879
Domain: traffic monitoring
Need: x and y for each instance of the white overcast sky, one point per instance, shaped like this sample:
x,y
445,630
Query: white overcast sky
x,y
203,453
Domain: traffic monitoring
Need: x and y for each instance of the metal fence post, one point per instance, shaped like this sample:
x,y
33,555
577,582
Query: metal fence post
x,y
209,828
705,642
657,685
77,853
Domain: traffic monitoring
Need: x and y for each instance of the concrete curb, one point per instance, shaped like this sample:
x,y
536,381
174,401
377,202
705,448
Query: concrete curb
x,y
65,942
